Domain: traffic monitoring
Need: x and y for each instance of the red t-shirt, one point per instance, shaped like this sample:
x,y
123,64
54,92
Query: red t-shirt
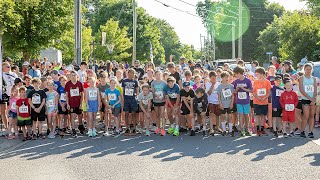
x,y
74,93
288,100
23,107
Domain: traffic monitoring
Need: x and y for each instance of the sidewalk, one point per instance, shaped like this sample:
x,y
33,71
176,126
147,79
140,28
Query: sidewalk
x,y
6,144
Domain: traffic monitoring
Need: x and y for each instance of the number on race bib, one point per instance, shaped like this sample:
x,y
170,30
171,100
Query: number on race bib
x,y
93,94
262,92
128,92
242,95
36,99
13,105
173,95
279,92
63,97
159,94
309,88
23,109
226,93
74,92
145,101
50,103
112,97
289,107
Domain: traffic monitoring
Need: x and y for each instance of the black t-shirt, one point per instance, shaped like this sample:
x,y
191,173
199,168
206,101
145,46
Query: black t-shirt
x,y
200,104
140,72
37,97
176,75
114,70
149,82
188,95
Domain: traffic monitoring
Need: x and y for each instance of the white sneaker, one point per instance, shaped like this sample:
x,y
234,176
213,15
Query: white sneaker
x,y
51,136
106,134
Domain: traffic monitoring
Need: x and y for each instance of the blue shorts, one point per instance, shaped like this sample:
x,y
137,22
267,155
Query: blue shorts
x,y
243,108
130,106
12,114
93,106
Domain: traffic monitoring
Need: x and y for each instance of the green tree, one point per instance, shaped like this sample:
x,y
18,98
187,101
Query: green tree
x,y
116,36
38,25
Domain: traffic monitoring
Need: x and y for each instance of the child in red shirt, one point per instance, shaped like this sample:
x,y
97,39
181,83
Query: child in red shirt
x,y
23,113
288,101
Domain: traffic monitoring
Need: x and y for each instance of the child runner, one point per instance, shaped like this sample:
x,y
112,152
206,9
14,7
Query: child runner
x,y
276,92
261,92
172,93
130,88
225,94
288,100
308,86
197,82
113,99
93,101
27,80
13,113
23,113
74,91
187,95
144,99
37,101
62,105
200,106
51,108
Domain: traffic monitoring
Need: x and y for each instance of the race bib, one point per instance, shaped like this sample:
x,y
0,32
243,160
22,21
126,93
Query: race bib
x,y
289,107
103,95
23,109
145,101
112,97
50,103
226,93
279,92
74,92
128,92
309,89
242,95
36,99
200,105
262,92
13,105
173,95
159,94
93,94
63,97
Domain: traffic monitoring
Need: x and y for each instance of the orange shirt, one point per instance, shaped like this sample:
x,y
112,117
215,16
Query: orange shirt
x,y
262,89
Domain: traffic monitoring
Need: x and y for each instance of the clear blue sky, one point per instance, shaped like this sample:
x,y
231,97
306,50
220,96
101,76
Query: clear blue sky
x,y
188,27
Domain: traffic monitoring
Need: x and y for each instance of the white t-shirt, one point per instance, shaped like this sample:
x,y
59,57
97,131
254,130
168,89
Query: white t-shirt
x,y
82,76
213,97
9,79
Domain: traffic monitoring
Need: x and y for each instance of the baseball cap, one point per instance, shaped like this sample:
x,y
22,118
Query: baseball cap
x,y
137,62
198,65
54,72
17,80
186,84
26,63
303,61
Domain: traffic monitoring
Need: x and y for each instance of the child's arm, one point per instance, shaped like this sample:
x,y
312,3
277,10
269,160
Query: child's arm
x,y
168,101
56,101
142,108
186,103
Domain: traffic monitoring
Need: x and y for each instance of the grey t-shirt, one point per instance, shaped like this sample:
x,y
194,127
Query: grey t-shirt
x,y
103,89
225,92
159,94
145,99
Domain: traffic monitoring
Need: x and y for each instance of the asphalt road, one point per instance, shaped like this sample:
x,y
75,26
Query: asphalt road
x,y
168,157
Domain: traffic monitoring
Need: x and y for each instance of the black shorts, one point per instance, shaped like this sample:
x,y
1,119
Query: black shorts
x,y
76,110
234,109
102,107
251,103
116,112
38,116
5,99
63,112
226,110
305,102
22,123
277,113
159,104
299,106
184,110
260,109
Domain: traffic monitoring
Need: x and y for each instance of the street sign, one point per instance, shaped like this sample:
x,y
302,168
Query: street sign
x,y
269,53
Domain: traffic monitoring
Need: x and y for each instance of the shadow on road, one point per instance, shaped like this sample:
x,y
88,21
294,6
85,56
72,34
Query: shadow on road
x,y
167,148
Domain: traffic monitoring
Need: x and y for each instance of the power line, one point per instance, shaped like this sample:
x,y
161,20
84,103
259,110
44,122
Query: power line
x,y
186,12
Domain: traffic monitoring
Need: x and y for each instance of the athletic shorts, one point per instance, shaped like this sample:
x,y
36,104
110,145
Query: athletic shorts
x,y
12,114
24,122
159,104
251,103
38,116
75,110
243,108
184,110
102,107
225,110
63,112
277,113
116,112
299,106
93,106
288,116
173,103
234,109
260,109
305,102
130,106
215,109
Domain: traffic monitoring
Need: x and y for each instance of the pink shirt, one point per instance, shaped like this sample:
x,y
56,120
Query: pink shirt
x,y
12,104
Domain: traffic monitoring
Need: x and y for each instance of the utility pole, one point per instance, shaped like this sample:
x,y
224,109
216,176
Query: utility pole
x,y
134,50
201,42
233,40
240,30
203,48
1,63
77,31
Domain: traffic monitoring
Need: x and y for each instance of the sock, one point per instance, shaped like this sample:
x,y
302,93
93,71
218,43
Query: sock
x,y
262,128
230,127
177,127
223,125
258,128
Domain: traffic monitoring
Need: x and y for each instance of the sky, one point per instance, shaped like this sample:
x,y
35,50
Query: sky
x,y
189,27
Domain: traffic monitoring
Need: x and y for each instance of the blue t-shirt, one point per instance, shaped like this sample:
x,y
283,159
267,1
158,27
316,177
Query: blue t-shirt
x,y
275,95
56,84
113,97
172,92
62,93
129,89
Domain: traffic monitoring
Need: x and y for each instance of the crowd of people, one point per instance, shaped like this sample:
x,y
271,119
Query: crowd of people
x,y
188,97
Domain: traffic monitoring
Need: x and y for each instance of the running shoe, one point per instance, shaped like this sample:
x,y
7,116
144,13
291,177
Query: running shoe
x,y
176,132
48,132
106,133
127,132
34,137
231,134
211,132
275,134
204,133
297,132
11,136
157,131
94,133
310,135
134,132
170,130
303,134
223,133
115,133
263,133
41,136
74,134
258,133
316,124
285,135
90,133
24,139
291,134
163,132
234,129
247,132
148,133
242,133
192,133
51,136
